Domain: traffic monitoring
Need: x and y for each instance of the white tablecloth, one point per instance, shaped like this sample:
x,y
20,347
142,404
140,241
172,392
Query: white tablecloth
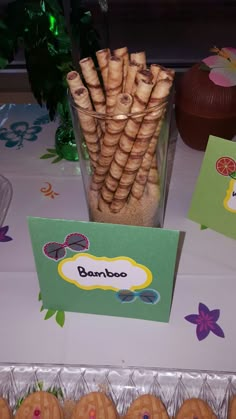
x,y
206,272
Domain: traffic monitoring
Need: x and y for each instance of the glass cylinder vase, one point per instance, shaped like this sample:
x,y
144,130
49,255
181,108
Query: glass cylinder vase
x,y
125,175
65,143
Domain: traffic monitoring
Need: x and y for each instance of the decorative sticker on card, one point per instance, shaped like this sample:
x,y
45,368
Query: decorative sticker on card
x,y
105,269
90,272
214,199
226,166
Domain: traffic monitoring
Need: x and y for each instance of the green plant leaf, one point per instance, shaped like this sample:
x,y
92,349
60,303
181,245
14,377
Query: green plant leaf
x,y
2,25
57,159
203,227
40,297
49,314
52,150
3,62
204,67
42,308
60,318
47,156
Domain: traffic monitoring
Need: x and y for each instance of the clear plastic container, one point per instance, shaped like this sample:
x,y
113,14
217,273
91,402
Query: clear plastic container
x,y
125,175
121,385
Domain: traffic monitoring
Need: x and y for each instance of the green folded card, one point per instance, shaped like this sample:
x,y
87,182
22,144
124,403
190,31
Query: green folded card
x,y
214,199
105,269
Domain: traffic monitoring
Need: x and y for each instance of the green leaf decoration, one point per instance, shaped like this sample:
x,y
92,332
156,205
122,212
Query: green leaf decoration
x,y
57,392
204,67
233,175
19,402
49,314
57,159
3,62
40,385
203,227
60,318
47,156
52,150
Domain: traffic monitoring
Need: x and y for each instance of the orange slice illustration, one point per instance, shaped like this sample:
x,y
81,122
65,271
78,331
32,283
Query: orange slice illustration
x,y
225,166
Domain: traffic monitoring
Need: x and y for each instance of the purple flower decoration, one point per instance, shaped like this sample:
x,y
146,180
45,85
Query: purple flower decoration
x,y
3,232
206,322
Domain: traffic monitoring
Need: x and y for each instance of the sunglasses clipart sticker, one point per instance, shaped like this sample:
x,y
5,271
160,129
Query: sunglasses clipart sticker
x,y
76,242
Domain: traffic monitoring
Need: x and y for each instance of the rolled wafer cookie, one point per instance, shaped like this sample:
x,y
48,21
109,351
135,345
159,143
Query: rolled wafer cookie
x,y
140,146
95,405
166,73
114,82
141,178
142,75
162,90
40,405
155,70
124,55
74,80
124,105
153,175
113,132
147,406
93,84
5,411
131,74
103,56
91,130
195,409
127,138
232,408
139,58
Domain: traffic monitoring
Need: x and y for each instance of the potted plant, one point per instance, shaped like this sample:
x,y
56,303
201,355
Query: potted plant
x,y
54,35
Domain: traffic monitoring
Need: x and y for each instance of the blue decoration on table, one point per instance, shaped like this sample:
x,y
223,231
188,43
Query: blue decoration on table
x,y
19,132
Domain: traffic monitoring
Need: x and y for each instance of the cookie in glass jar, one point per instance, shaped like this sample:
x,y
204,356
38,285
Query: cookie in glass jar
x,y
5,411
147,407
40,405
95,405
195,408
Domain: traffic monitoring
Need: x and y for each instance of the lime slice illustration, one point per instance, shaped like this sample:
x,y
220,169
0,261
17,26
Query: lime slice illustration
x,y
225,166
233,175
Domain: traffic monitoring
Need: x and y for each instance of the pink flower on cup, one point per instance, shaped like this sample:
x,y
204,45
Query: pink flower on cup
x,y
222,66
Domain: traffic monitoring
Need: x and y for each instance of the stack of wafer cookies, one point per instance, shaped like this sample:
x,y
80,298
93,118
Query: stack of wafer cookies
x,y
120,109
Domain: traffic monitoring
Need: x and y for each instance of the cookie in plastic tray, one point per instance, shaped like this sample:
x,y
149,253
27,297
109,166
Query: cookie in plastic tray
x,y
121,385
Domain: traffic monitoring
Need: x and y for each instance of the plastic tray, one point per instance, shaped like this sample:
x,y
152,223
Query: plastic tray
x,y
122,385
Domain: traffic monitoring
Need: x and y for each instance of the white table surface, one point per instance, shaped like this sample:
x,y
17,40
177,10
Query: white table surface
x,y
206,273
